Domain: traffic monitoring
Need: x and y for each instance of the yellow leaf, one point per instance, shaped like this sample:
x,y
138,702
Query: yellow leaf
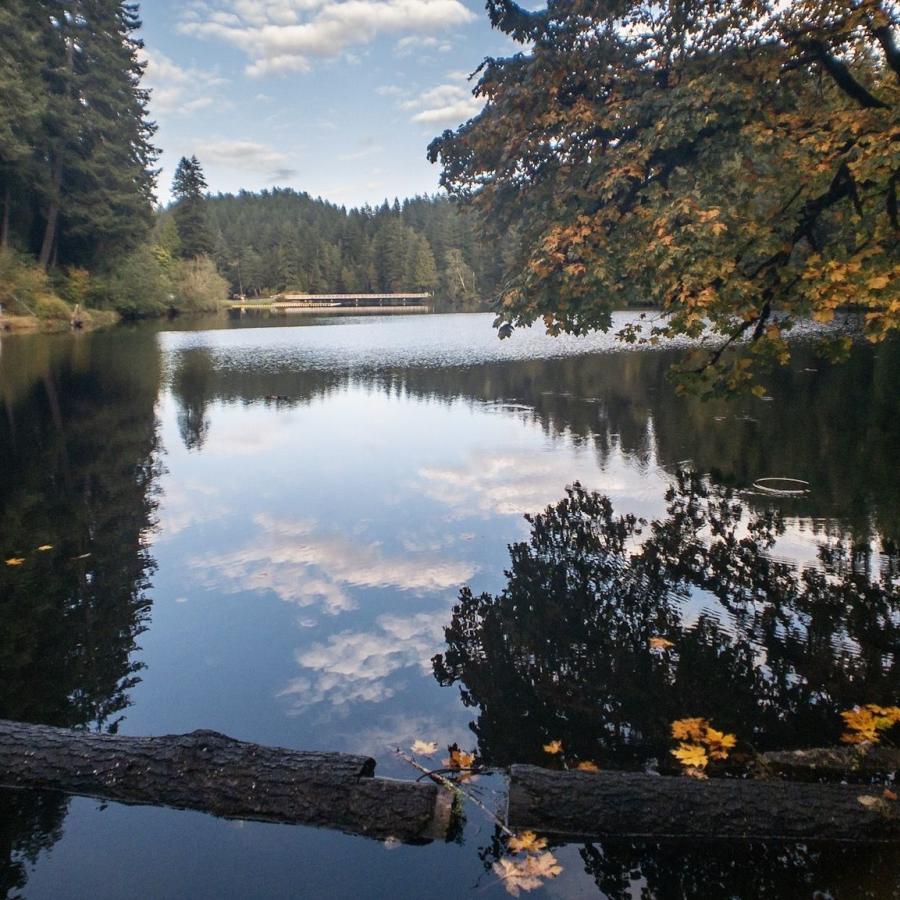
x,y
45,547
688,729
424,748
15,561
526,842
588,766
691,755
459,759
878,282
526,874
553,747
869,802
660,643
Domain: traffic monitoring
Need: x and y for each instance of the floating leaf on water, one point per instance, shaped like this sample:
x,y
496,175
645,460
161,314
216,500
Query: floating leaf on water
x,y
688,729
865,723
588,766
526,842
424,748
15,561
45,547
459,759
691,755
870,802
82,556
527,874
553,747
888,794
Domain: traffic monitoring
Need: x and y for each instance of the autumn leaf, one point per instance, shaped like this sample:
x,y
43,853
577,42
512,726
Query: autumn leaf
x,y
688,729
424,748
526,874
888,794
526,842
45,547
587,766
864,723
718,743
553,747
691,755
459,759
660,643
15,561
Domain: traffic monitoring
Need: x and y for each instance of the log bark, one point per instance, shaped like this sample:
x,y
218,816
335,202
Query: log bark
x,y
835,762
584,804
212,773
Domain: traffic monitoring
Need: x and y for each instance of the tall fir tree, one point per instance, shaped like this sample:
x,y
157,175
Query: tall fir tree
x,y
188,189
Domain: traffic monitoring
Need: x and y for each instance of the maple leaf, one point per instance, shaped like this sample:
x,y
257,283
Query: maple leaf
x,y
459,759
15,561
689,729
691,755
660,643
865,722
718,743
527,874
526,842
553,747
587,766
424,748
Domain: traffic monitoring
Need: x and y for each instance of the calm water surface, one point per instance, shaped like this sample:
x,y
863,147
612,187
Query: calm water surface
x,y
280,521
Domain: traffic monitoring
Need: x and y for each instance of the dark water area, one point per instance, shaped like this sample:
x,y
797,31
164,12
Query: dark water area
x,y
301,536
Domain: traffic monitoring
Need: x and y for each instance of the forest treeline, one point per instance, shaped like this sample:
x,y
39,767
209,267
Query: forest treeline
x,y
78,182
285,240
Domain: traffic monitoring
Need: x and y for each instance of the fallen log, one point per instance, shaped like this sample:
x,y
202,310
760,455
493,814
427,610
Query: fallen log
x,y
835,762
597,804
212,773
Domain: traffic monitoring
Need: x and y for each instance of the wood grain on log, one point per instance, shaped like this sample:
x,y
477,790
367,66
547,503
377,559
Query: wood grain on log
x,y
212,773
633,804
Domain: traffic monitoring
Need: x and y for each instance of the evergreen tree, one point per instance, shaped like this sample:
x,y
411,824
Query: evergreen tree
x,y
188,188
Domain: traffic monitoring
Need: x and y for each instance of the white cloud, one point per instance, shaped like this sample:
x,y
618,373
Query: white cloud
x,y
177,90
363,666
283,36
448,104
308,568
249,156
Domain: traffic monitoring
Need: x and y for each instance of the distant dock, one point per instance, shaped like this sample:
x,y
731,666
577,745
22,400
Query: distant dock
x,y
333,303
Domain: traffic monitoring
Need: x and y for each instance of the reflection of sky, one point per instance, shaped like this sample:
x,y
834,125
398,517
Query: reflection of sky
x,y
315,550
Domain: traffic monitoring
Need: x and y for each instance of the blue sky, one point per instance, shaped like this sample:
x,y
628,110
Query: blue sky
x,y
335,97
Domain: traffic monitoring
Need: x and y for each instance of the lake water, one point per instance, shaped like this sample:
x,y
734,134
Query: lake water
x,y
264,531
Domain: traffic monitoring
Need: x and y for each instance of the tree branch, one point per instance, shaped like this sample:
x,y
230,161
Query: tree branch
x,y
843,77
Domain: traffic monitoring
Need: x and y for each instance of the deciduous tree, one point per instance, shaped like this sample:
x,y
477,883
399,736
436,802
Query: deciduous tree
x,y
734,162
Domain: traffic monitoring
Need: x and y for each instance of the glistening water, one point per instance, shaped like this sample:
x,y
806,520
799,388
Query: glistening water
x,y
265,530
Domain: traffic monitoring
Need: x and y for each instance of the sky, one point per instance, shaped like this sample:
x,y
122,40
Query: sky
x,y
338,98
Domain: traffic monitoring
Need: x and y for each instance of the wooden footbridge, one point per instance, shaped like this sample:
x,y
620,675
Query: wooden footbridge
x,y
296,302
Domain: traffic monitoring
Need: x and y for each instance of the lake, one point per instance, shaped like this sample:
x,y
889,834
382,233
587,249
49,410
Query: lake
x,y
264,530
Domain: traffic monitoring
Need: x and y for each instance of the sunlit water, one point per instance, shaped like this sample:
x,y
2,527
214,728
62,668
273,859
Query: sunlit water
x,y
290,513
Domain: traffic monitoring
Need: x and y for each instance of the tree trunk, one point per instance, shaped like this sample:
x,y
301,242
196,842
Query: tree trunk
x,y
52,214
212,773
637,805
4,221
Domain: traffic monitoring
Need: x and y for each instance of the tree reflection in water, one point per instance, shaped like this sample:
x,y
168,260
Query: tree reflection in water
x,y
78,470
761,648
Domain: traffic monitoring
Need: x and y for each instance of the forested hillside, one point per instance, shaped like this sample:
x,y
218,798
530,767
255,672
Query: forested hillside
x,y
284,240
